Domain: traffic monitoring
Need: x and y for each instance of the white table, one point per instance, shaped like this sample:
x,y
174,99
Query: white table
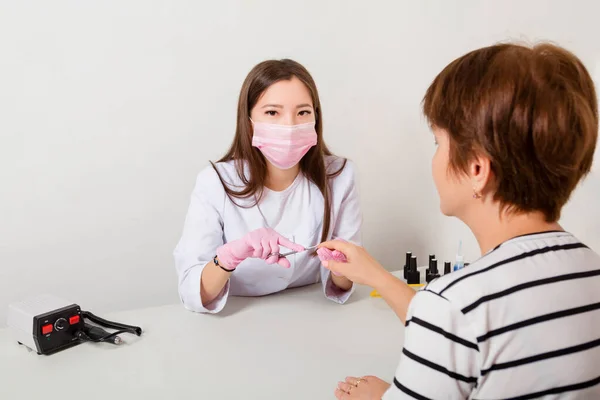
x,y
291,345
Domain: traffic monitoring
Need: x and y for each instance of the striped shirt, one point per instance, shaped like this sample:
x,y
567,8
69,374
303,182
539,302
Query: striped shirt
x,y
523,322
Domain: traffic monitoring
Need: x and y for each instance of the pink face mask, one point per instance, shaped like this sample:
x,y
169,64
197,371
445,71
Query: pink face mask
x,y
284,145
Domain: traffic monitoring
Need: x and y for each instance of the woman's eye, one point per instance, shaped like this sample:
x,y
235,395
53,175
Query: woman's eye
x,y
304,112
272,113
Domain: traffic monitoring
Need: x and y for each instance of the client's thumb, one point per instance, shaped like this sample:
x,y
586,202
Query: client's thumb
x,y
333,266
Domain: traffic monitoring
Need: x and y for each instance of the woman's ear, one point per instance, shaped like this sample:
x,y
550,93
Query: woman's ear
x,y
480,173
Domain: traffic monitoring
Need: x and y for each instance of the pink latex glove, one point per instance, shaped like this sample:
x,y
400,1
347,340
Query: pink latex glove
x,y
327,255
256,244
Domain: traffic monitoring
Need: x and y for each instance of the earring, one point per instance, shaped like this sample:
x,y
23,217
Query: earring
x,y
476,195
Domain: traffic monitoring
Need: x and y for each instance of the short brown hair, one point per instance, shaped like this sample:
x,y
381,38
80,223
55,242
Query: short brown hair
x,y
532,111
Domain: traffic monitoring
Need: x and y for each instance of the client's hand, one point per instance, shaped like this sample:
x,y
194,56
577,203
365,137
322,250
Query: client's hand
x,y
365,388
359,267
327,255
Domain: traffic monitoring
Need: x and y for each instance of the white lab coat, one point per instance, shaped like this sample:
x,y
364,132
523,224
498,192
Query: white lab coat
x,y
296,213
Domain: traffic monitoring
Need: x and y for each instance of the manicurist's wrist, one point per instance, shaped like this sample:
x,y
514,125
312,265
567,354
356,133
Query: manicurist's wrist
x,y
226,268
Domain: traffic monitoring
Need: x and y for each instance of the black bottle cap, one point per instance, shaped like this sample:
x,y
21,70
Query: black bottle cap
x,y
431,257
447,267
432,271
413,264
413,276
433,266
429,277
407,263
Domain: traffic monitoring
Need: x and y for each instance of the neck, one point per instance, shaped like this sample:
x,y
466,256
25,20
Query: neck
x,y
491,226
280,179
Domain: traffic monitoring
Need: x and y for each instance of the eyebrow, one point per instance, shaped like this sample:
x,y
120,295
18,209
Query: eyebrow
x,y
280,106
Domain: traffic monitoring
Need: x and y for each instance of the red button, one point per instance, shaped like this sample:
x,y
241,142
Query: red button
x,y
74,320
46,329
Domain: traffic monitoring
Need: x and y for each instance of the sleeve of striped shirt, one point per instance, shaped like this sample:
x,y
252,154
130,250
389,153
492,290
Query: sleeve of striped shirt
x,y
440,355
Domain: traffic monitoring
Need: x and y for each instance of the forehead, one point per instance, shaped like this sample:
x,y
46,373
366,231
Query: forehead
x,y
286,93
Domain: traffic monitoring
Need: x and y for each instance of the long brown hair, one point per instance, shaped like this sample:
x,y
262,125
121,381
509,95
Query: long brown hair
x,y
244,154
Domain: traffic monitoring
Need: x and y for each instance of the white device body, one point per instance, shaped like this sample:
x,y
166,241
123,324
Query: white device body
x,y
21,317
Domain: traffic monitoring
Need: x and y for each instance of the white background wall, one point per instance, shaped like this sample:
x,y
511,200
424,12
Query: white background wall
x,y
108,110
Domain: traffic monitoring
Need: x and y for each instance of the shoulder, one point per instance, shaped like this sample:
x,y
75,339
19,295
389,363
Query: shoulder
x,y
211,176
511,267
334,164
515,261
210,182
342,171
460,288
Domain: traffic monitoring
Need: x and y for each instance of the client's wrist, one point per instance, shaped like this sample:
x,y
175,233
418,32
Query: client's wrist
x,y
380,278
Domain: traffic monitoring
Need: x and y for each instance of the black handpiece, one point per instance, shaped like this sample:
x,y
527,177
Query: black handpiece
x,y
98,334
413,276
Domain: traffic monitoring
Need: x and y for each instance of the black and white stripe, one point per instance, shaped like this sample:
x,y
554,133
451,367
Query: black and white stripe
x,y
573,389
516,258
447,335
522,322
527,285
539,319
